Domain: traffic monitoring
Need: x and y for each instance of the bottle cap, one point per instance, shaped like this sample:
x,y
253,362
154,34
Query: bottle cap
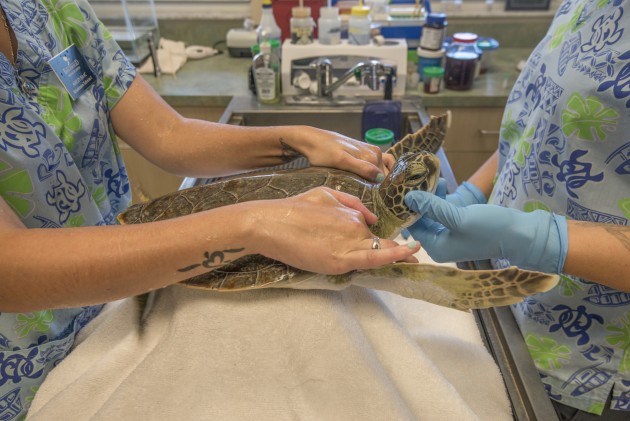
x,y
266,3
465,37
433,71
429,53
255,49
301,12
487,44
274,43
438,18
265,47
360,11
329,12
379,136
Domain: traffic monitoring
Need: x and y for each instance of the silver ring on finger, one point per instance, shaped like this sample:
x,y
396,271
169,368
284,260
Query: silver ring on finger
x,y
376,243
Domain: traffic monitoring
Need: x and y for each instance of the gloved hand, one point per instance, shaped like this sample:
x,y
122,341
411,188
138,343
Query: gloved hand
x,y
465,194
531,240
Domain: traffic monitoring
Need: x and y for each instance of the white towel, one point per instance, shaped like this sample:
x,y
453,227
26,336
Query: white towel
x,y
171,56
355,354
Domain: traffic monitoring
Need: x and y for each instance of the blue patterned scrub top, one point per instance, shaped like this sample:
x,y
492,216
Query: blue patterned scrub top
x,y
59,167
565,147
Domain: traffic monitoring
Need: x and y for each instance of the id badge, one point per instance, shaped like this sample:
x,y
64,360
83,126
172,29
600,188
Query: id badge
x,y
73,71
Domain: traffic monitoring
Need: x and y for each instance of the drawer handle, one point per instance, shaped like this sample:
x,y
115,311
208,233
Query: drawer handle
x,y
489,132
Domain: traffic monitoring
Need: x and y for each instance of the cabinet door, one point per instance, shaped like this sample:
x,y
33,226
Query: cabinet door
x,y
472,138
149,181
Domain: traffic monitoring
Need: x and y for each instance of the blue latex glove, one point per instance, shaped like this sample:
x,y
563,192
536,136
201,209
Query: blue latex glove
x,y
531,240
465,194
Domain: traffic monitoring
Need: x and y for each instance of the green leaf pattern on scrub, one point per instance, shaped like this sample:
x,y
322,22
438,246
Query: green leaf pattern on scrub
x,y
60,165
564,147
588,119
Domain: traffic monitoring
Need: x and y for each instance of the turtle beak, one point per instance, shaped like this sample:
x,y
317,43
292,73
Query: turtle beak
x,y
431,172
433,167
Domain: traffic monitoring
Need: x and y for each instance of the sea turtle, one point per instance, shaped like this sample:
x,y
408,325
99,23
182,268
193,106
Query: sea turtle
x,y
443,285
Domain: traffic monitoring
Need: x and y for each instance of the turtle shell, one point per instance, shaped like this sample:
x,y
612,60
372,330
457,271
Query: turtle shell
x,y
274,184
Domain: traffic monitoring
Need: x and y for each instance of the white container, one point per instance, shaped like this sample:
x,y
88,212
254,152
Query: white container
x,y
359,26
379,9
428,58
302,25
268,28
329,26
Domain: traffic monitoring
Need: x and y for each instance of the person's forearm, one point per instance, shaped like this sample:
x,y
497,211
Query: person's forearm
x,y
599,253
192,147
483,178
53,268
232,149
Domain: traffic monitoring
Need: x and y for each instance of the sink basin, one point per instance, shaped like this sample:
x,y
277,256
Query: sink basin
x,y
345,120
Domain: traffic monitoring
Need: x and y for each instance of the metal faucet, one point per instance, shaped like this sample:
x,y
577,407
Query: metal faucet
x,y
368,73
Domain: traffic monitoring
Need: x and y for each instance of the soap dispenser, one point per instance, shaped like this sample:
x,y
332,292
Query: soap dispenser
x,y
266,69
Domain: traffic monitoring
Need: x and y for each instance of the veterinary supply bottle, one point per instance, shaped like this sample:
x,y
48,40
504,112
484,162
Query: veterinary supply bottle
x,y
359,26
329,26
432,36
383,138
432,79
268,28
462,62
267,74
302,25
428,58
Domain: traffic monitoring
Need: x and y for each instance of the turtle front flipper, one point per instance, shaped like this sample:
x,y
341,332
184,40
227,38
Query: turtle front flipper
x,y
429,138
456,288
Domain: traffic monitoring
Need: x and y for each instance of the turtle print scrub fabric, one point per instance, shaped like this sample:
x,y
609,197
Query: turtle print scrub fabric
x,y
564,147
59,167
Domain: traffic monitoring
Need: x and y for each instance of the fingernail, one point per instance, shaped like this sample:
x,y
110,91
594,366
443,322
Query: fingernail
x,y
380,177
411,245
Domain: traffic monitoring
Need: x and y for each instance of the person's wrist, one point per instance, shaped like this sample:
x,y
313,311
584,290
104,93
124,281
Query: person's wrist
x,y
250,231
548,242
467,194
474,193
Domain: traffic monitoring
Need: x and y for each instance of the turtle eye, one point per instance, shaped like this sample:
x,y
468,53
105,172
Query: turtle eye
x,y
416,177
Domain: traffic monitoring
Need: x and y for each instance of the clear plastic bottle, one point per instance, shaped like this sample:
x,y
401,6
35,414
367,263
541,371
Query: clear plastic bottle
x,y
329,26
266,69
302,25
462,62
379,9
359,26
268,28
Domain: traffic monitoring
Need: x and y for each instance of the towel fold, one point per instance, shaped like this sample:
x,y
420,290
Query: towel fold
x,y
277,354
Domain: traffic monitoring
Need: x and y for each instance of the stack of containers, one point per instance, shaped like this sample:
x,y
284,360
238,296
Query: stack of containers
x,y
431,50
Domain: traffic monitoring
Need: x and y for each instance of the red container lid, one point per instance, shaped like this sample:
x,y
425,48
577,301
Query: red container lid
x,y
282,10
465,37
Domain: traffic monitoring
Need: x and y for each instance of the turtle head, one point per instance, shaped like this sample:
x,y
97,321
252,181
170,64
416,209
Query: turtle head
x,y
412,171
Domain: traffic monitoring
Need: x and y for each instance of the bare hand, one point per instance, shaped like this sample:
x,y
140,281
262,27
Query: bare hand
x,y
329,149
323,231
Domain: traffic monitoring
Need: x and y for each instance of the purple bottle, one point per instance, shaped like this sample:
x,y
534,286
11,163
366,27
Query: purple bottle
x,y
463,59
